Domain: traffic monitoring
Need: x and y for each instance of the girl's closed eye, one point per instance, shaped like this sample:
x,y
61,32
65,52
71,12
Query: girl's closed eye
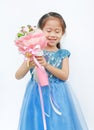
x,y
58,30
48,30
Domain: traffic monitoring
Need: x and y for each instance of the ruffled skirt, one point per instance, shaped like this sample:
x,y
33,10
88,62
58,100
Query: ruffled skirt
x,y
61,109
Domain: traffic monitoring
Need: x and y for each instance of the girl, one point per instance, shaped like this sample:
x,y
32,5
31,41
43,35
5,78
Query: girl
x,y
59,103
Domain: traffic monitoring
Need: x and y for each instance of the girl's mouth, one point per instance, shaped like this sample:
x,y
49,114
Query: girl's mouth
x,y
52,40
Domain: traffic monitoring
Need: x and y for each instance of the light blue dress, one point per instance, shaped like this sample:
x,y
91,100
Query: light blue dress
x,y
62,112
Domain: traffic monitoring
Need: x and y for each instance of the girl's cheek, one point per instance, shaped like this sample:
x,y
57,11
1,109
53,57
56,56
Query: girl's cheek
x,y
60,35
46,34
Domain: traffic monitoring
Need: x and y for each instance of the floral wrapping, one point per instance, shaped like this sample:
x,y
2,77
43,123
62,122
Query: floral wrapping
x,y
30,42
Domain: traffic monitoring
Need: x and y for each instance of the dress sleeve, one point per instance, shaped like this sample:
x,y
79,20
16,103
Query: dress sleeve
x,y
64,53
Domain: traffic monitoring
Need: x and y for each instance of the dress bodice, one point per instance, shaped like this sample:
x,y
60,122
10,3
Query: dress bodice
x,y
55,58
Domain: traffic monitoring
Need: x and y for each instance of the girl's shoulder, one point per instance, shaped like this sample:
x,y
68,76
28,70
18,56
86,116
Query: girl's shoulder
x,y
63,53
60,53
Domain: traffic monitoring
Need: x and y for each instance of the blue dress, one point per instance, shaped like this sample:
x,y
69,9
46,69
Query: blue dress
x,y
62,112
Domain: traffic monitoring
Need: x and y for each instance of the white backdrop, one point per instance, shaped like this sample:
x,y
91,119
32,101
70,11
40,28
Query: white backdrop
x,y
79,40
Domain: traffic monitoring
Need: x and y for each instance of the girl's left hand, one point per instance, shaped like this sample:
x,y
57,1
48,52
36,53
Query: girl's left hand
x,y
41,60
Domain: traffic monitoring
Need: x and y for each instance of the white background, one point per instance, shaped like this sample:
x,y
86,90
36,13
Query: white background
x,y
79,17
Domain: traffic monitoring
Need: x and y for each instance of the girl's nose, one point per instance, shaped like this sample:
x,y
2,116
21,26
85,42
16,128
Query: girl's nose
x,y
52,34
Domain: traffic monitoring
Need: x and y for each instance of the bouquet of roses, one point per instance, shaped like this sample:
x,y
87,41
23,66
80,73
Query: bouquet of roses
x,y
30,42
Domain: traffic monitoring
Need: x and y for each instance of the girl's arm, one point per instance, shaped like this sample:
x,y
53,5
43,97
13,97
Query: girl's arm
x,y
59,73
23,69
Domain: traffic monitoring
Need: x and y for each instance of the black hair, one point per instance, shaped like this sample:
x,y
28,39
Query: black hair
x,y
44,18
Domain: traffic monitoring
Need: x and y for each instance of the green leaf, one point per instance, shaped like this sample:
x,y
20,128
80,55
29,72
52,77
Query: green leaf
x,y
20,34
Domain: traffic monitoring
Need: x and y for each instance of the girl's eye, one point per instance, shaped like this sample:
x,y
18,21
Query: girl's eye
x,y
57,31
48,30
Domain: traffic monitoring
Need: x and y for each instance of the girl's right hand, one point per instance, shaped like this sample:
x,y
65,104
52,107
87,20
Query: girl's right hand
x,y
23,69
32,64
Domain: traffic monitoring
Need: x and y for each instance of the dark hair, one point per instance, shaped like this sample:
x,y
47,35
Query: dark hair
x,y
45,17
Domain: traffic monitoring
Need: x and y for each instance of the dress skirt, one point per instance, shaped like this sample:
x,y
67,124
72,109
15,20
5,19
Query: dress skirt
x,y
62,111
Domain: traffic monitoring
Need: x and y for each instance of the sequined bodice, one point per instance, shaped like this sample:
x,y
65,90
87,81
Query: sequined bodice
x,y
55,58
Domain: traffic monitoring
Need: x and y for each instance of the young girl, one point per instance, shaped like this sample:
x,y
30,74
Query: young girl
x,y
60,107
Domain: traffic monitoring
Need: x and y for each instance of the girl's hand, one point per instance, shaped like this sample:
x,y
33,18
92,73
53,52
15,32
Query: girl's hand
x,y
32,64
41,60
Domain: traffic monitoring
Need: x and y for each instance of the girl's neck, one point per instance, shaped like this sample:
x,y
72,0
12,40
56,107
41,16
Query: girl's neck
x,y
51,48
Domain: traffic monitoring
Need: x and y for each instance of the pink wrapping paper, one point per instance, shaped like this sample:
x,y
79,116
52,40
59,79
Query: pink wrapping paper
x,y
30,45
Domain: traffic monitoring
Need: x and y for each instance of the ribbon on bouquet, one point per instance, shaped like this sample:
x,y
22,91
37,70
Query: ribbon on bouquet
x,y
41,75
30,54
42,107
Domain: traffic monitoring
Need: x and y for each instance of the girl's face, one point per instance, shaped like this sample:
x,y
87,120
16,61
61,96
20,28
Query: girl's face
x,y
53,31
